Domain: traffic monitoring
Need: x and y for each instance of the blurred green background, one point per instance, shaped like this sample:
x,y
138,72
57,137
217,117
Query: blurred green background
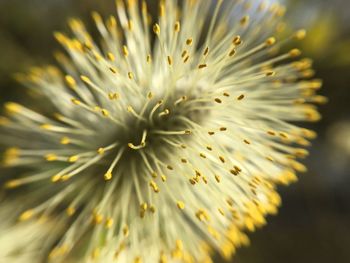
x,y
314,222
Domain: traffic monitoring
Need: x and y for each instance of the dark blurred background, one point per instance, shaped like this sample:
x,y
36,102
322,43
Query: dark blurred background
x,y
314,222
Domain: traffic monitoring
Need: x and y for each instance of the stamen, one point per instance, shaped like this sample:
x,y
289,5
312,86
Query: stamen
x,y
108,175
142,144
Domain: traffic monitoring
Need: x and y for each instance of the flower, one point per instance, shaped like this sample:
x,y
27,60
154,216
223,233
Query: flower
x,y
165,141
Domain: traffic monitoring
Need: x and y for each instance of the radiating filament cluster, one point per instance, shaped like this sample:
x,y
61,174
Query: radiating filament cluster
x,y
163,140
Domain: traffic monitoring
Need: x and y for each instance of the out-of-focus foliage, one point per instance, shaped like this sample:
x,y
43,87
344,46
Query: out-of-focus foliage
x,y
328,25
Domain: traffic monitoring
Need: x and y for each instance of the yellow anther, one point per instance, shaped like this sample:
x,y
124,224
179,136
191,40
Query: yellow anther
x,y
232,52
163,258
73,159
301,153
76,101
95,253
12,107
269,158
309,133
186,59
46,126
65,177
222,159
170,60
97,218
56,178
177,253
164,113
161,9
237,168
70,211
149,95
109,222
130,25
189,41
177,27
113,70
51,157
26,215
179,244
13,184
299,167
110,56
101,150
229,202
234,172
244,20
205,180
144,206
85,79
309,73
70,81
294,53
221,211
300,34
218,178
96,17
192,181
201,66
315,84
180,205
272,133
280,11
283,135
206,51
312,114
270,41
111,23
105,112
11,154
241,97
58,251
65,140
125,51
126,230
152,208
113,96
237,41
108,176
156,29
217,100
61,38
154,186
183,160
4,121
163,177
149,59
202,215
130,75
